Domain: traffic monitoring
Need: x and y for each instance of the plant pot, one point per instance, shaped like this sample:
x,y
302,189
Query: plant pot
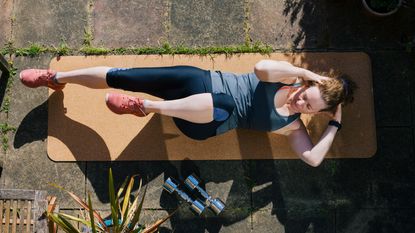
x,y
382,7
109,224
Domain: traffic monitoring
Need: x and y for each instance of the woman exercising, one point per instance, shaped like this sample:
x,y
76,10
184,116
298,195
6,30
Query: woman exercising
x,y
207,103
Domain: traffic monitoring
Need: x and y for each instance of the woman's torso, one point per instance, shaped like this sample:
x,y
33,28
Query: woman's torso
x,y
254,102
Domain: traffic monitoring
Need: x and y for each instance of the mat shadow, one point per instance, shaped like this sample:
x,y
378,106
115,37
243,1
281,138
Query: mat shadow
x,y
146,143
79,138
33,127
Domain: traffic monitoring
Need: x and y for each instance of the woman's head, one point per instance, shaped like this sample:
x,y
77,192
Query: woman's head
x,y
336,90
315,97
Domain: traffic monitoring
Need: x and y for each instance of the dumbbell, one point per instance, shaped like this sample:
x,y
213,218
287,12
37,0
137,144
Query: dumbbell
x,y
172,186
217,205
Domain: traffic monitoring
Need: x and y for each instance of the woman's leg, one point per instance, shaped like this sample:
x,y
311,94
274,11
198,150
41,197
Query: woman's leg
x,y
94,77
90,77
164,82
168,83
195,108
186,91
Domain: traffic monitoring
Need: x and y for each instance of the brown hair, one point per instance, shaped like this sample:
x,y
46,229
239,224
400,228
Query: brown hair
x,y
339,89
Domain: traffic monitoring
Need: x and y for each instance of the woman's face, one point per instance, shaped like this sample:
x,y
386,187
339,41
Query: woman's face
x,y
306,100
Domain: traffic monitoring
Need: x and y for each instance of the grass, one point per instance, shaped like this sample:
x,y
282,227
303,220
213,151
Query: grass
x,y
31,51
63,49
5,107
6,101
4,129
7,49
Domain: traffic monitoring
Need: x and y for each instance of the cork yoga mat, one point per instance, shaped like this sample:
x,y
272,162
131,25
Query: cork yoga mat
x,y
81,128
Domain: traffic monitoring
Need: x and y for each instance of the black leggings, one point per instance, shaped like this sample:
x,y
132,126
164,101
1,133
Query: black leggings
x,y
171,83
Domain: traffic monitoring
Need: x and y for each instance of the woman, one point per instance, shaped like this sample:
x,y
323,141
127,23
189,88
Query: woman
x,y
207,103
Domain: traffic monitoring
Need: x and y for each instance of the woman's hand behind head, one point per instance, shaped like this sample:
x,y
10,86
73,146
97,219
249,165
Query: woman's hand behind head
x,y
311,76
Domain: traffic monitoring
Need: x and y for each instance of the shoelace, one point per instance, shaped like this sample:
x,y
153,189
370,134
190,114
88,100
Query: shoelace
x,y
133,105
47,75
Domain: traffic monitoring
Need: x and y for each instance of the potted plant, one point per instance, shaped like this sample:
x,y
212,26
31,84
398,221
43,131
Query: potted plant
x,y
125,214
382,7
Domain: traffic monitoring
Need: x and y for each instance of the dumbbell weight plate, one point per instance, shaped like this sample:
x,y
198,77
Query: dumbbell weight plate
x,y
197,207
170,185
192,182
217,205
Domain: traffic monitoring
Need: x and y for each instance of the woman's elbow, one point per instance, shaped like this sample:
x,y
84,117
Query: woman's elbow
x,y
261,71
312,161
260,66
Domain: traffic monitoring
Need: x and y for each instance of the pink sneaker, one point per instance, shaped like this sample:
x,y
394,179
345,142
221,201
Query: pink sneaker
x,y
38,78
124,104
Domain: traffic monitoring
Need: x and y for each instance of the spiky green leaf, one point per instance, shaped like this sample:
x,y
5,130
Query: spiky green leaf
x,y
137,212
91,214
81,203
126,202
113,200
63,223
121,189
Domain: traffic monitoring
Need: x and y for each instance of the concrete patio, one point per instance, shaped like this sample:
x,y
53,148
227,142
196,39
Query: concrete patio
x,y
341,195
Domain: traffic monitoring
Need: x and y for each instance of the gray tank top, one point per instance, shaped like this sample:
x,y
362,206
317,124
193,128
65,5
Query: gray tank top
x,y
254,102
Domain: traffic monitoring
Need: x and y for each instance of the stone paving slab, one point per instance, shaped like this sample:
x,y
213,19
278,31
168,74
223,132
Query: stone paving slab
x,y
392,79
129,23
5,21
285,221
26,165
375,220
209,225
393,169
50,22
340,184
186,221
351,26
206,23
286,184
265,220
383,181
289,24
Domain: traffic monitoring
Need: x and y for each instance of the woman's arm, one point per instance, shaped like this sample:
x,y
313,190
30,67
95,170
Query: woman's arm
x,y
302,145
282,71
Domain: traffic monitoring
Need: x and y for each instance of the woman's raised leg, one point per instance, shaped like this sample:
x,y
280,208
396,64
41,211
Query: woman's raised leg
x,y
94,77
196,108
